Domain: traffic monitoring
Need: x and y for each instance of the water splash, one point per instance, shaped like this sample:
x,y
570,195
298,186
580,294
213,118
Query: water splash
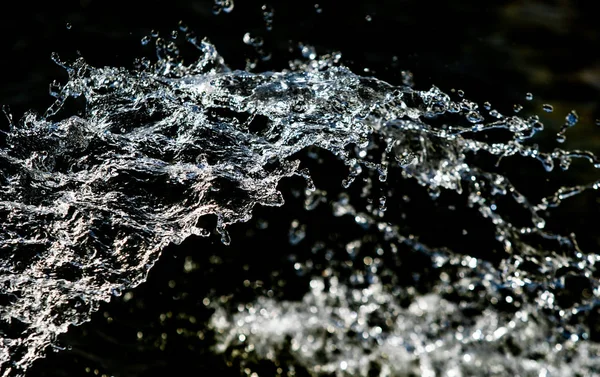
x,y
91,200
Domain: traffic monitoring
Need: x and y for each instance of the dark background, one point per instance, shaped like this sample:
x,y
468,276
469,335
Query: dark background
x,y
492,50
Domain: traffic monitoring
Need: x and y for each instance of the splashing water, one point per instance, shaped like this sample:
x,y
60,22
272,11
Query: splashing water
x,y
90,201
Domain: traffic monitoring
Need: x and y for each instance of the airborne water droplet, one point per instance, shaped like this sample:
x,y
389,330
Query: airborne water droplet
x,y
572,118
268,14
382,201
182,26
309,52
474,117
547,108
225,237
145,40
529,96
228,6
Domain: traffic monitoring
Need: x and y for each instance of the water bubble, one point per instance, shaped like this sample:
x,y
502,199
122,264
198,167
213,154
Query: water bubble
x,y
174,34
154,33
318,8
368,18
487,105
561,138
547,108
529,96
69,26
145,40
460,93
517,108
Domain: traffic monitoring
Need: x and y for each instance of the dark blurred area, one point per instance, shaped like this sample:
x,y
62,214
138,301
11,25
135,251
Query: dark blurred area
x,y
494,51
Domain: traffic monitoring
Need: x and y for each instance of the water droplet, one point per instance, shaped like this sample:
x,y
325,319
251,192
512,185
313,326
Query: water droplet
x,y
517,108
460,93
487,105
561,138
572,118
474,117
407,78
318,8
154,33
145,40
191,37
69,26
297,232
252,41
547,108
434,192
368,18
55,58
182,26
382,201
268,14
174,34
222,6
529,96
540,223
309,52
228,6
225,237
